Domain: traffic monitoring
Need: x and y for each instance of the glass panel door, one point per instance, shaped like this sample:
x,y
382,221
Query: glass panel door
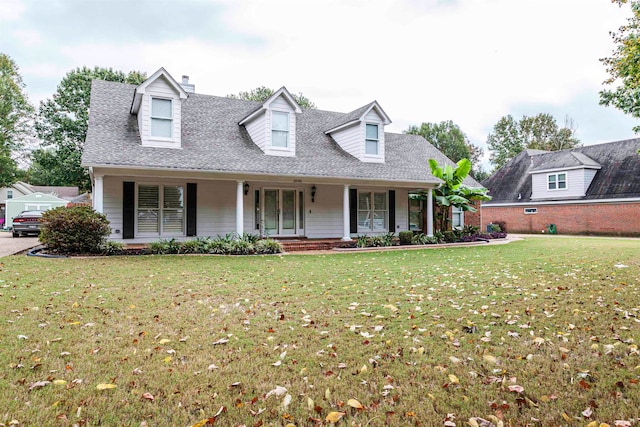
x,y
288,212
271,212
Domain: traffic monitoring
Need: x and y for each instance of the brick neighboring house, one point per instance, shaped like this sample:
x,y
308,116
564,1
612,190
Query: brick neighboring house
x,y
587,190
166,162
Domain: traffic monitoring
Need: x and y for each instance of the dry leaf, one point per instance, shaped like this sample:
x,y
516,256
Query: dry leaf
x,y
489,358
334,417
147,396
516,388
105,386
454,379
355,404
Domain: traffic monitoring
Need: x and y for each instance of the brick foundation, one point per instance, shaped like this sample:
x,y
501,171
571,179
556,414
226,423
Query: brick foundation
x,y
617,219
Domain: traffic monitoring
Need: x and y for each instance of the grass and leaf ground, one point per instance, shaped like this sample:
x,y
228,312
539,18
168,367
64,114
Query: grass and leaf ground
x,y
537,332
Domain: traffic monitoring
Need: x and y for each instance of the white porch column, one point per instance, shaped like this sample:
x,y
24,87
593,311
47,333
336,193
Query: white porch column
x,y
240,208
98,193
346,224
430,212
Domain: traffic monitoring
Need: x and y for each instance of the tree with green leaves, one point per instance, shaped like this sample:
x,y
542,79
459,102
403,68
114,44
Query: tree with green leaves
x,y
452,193
62,123
623,66
16,114
540,132
262,93
447,137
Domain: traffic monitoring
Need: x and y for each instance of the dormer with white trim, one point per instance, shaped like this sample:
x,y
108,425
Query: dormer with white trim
x,y
272,126
562,174
158,104
361,133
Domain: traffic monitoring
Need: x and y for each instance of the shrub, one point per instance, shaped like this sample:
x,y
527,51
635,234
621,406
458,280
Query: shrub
x,y
268,246
196,246
502,225
74,230
450,236
163,247
240,247
405,237
494,228
423,239
113,248
361,241
251,238
469,230
218,246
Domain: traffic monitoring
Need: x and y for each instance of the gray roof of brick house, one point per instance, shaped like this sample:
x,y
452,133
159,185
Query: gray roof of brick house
x,y
617,178
212,141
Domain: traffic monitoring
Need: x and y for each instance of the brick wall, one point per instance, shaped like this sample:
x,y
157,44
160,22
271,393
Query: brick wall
x,y
621,219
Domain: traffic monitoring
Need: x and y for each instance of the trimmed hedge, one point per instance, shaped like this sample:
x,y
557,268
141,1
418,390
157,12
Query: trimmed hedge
x,y
74,230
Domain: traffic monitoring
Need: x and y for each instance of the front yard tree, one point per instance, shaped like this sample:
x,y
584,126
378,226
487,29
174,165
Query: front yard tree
x,y
447,137
15,116
540,132
62,123
623,66
262,93
452,193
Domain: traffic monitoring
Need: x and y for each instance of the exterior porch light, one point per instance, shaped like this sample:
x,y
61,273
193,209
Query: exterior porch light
x,y
313,194
246,188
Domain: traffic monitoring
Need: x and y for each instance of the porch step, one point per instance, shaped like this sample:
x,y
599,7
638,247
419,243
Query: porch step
x,y
313,245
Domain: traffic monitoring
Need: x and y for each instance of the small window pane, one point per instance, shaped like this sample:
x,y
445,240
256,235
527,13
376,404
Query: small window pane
x,y
148,221
380,201
172,221
562,177
280,121
562,184
173,197
552,178
161,108
161,127
364,220
279,138
148,196
371,147
372,132
379,220
364,202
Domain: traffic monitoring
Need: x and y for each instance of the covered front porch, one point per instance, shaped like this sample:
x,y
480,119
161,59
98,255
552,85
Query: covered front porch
x,y
143,207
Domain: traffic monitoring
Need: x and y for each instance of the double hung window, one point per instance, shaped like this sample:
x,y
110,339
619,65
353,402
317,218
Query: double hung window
x,y
372,211
161,118
161,209
279,129
557,181
372,140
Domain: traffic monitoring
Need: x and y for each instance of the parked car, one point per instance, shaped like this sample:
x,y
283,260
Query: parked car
x,y
27,222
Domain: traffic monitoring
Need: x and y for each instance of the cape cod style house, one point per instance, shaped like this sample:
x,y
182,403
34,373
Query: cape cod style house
x,y
587,190
166,162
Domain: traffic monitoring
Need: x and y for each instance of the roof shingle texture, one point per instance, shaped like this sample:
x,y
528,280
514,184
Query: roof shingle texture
x,y
619,176
212,141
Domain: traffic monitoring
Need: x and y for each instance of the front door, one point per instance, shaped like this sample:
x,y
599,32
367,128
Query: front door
x,y
281,212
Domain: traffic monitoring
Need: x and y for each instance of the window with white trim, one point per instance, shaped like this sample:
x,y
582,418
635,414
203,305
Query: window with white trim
x,y
457,218
372,140
161,118
372,211
9,194
557,181
160,209
530,211
279,129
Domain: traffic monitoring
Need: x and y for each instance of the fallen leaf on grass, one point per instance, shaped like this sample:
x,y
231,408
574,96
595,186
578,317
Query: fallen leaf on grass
x,y
105,386
147,396
278,391
221,341
516,388
334,417
38,384
355,404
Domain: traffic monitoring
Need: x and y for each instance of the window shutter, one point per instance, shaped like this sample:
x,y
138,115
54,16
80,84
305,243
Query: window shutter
x,y
353,210
392,211
128,209
192,204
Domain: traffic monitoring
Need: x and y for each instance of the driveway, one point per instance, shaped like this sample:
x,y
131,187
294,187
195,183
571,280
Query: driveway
x,y
12,245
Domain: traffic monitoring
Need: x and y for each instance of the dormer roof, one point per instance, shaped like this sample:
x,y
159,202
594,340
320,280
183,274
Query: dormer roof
x,y
357,116
265,105
562,160
141,89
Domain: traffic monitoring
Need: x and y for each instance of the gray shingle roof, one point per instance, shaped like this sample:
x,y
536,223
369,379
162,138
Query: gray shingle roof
x,y
619,176
212,141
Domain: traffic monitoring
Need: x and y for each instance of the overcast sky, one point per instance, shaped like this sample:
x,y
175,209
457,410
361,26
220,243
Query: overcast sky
x,y
470,61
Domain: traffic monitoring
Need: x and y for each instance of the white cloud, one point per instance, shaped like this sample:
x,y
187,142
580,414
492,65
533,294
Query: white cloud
x,y
28,37
12,10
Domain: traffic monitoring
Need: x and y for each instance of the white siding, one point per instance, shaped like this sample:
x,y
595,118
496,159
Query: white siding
x,y
160,88
217,208
257,130
589,174
112,204
351,140
373,116
402,210
324,217
575,185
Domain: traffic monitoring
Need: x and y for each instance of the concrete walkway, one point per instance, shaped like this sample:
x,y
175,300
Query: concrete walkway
x,y
12,245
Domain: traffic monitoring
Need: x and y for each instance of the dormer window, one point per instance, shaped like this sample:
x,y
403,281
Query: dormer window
x,y
372,141
557,181
279,129
161,118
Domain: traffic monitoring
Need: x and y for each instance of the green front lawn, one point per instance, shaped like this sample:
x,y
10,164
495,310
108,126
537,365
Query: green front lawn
x,y
537,332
